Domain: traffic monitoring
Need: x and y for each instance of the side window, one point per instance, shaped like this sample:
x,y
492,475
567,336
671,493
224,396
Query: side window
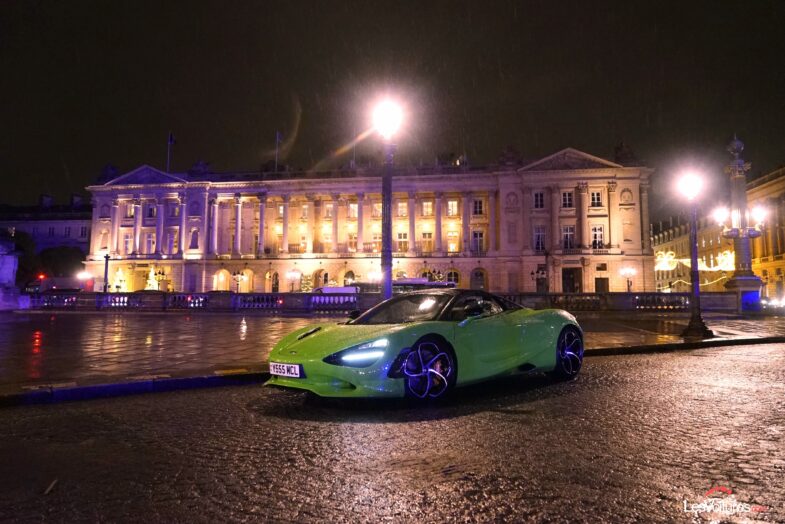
x,y
474,305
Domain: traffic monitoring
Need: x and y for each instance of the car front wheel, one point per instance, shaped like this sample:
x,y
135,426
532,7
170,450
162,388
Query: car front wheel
x,y
569,354
429,369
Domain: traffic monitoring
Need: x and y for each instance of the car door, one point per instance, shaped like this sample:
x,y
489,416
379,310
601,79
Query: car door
x,y
487,336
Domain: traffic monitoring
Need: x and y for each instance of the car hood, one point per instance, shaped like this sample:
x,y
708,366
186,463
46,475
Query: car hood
x,y
326,339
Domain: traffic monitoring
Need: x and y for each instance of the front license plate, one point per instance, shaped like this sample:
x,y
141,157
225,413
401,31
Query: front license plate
x,y
285,370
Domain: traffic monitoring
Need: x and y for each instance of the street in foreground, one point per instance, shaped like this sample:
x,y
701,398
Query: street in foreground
x,y
634,438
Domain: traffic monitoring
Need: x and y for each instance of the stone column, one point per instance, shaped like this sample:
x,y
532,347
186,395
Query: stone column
x,y
137,203
203,238
238,225
160,210
584,241
492,245
183,224
645,225
527,204
285,224
411,212
262,209
214,226
555,211
335,198
437,229
310,224
115,226
360,204
466,221
613,215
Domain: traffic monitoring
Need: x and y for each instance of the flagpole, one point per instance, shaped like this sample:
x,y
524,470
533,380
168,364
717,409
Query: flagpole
x,y
169,143
277,141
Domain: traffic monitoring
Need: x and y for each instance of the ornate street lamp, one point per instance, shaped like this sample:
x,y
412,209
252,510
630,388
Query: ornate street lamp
x,y
628,273
741,225
106,272
387,118
690,186
238,276
292,275
159,276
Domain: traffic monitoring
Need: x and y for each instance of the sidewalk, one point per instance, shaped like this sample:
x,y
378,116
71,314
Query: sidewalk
x,y
44,351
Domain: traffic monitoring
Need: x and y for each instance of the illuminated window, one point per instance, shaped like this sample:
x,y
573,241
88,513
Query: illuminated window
x,y
129,210
304,211
452,241
280,210
402,209
352,242
427,208
597,237
452,208
353,210
427,242
403,242
376,210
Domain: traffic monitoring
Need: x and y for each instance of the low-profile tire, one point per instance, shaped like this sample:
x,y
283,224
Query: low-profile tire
x,y
569,354
430,369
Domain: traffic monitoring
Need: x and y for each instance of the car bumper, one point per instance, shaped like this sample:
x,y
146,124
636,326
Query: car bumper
x,y
327,380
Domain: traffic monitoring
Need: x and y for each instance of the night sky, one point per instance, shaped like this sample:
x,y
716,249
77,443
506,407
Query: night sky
x,y
86,83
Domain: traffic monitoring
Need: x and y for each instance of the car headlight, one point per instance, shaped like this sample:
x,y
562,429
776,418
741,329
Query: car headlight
x,y
359,356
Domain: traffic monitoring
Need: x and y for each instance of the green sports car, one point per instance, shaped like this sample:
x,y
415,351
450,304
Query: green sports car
x,y
424,344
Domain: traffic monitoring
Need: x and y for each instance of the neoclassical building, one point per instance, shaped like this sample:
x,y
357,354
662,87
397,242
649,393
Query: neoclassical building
x,y
566,223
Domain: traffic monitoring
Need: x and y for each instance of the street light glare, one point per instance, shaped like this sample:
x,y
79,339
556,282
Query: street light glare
x,y
387,118
758,214
690,185
721,215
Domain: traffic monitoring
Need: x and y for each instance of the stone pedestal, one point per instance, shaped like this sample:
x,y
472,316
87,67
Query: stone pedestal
x,y
9,294
747,287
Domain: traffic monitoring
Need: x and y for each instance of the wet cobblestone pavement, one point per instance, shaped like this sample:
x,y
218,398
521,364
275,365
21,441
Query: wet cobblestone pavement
x,y
630,440
91,348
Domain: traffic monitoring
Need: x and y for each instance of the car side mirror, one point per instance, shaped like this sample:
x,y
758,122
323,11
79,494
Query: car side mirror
x,y
354,314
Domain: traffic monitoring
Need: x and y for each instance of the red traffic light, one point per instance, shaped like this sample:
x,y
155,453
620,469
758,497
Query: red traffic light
x,y
41,276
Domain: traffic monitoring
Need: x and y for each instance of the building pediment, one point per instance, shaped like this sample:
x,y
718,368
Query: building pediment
x,y
145,175
569,159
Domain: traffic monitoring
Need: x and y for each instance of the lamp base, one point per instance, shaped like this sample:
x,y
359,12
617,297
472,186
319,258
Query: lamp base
x,y
697,329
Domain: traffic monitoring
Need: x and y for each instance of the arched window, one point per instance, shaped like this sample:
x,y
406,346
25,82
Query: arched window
x,y
428,275
194,244
276,283
348,278
326,279
478,279
453,276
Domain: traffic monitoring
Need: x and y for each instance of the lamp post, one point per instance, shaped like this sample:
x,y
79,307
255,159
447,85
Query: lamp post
x,y
743,281
106,272
387,117
690,186
292,276
628,273
159,276
238,277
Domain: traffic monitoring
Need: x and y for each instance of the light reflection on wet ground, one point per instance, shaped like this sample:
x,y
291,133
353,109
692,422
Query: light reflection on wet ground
x,y
38,348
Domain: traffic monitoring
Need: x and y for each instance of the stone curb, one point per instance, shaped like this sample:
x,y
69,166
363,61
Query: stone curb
x,y
66,393
55,394
679,346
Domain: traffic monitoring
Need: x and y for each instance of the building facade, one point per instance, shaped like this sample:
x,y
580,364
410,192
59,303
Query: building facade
x,y
716,254
51,225
566,223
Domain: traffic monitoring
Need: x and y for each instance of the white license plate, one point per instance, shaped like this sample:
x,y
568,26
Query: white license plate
x,y
285,370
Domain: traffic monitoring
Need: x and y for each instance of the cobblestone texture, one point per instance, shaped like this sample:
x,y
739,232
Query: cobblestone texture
x,y
629,441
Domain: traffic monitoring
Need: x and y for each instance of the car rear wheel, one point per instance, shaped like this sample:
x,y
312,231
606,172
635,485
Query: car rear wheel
x,y
569,354
429,370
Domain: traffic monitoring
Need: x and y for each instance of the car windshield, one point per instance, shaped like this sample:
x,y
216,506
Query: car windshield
x,y
414,307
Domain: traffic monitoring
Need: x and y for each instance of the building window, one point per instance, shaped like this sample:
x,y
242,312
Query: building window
x,y
427,242
304,212
478,242
35,231
129,210
403,242
149,243
452,241
67,232
174,210
83,232
597,237
596,199
376,239
568,237
402,209
477,207
352,242
539,238
539,200
280,210
353,210
453,276
150,211
376,210
566,199
127,245
452,208
427,208
51,232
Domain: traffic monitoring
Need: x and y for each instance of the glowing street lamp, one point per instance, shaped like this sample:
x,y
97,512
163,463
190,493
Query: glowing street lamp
x,y
628,273
690,185
387,119
292,276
